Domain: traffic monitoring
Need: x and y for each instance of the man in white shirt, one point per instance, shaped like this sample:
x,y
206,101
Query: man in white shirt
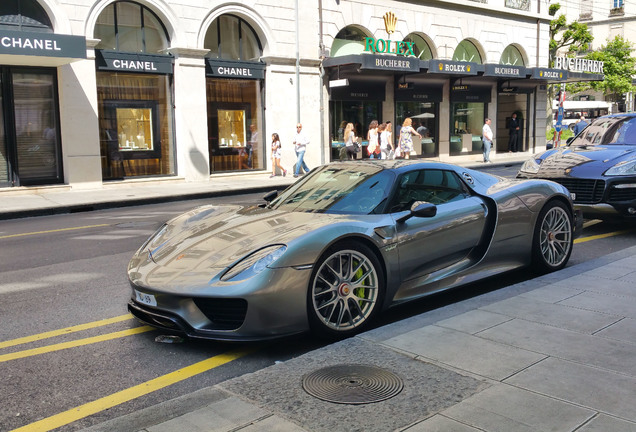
x,y
487,137
300,145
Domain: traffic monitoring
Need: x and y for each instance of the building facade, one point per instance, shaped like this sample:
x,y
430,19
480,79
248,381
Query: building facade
x,y
97,91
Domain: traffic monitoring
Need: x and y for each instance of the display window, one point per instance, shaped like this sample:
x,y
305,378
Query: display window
x,y
234,91
360,114
424,116
467,119
135,120
134,93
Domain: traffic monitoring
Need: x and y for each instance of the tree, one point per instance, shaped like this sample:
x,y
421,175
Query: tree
x,y
619,66
571,38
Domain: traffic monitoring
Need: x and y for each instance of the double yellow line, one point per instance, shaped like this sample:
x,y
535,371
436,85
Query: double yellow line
x,y
117,398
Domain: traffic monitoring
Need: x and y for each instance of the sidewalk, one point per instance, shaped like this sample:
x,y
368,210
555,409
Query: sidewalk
x,y
555,353
37,201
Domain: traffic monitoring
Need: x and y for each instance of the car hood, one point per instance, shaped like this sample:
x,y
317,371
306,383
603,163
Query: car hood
x,y
216,237
591,160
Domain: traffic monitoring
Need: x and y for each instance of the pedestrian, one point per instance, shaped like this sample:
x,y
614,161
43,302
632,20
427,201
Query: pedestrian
x,y
372,137
386,148
487,139
513,134
351,142
300,146
580,125
276,155
405,145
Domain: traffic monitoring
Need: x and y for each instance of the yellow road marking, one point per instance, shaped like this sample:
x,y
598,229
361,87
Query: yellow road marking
x,y
131,393
67,330
600,236
74,344
53,231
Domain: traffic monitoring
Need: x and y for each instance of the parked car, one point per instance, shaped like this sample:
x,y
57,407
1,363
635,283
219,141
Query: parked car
x,y
345,242
598,167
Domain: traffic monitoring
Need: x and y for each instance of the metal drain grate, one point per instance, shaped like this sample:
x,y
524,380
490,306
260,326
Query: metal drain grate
x,y
352,384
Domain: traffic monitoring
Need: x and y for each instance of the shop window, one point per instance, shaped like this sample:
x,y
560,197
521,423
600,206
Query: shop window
x,y
467,120
349,40
131,27
235,140
511,56
360,113
135,125
24,15
424,117
232,38
466,51
421,48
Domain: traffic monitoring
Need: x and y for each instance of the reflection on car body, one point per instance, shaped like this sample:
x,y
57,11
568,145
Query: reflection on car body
x,y
342,244
598,167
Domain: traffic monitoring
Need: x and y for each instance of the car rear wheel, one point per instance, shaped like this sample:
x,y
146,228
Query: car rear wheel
x,y
346,290
553,238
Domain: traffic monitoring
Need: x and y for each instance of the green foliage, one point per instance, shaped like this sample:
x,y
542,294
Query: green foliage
x,y
565,134
619,66
575,37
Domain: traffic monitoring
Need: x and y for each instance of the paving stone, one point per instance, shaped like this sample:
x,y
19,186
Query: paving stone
x,y
439,423
589,282
504,408
603,423
224,415
466,352
273,424
474,321
618,304
598,389
552,293
557,315
623,330
551,341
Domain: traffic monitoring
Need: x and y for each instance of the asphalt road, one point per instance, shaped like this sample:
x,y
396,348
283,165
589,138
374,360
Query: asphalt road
x,y
71,357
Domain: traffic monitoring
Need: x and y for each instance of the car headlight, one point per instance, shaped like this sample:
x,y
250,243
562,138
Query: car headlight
x,y
254,263
531,166
622,168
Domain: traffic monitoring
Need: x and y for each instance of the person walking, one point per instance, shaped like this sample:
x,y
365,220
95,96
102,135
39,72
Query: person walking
x,y
579,126
276,155
300,146
350,142
405,145
487,139
513,134
372,137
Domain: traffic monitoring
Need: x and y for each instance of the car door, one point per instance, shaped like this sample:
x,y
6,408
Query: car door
x,y
429,244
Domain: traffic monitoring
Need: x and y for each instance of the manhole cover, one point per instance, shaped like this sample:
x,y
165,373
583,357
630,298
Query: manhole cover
x,y
352,384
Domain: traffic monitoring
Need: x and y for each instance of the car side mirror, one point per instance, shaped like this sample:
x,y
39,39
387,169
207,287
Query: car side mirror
x,y
420,209
549,146
270,196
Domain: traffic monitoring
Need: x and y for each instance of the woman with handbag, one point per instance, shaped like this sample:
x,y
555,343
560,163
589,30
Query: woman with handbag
x,y
405,145
372,136
351,142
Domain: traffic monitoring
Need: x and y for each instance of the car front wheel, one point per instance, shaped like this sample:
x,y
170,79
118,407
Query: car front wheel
x,y
346,290
553,238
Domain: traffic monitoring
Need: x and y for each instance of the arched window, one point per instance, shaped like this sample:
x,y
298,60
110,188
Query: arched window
x,y
467,51
24,15
131,27
349,40
511,56
232,38
421,48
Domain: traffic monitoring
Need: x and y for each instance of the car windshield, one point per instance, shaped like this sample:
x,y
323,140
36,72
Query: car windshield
x,y
339,188
615,130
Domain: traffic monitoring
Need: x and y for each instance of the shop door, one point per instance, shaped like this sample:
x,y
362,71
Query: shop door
x,y
29,137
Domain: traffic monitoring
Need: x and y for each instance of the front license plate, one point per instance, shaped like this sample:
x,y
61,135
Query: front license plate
x,y
144,298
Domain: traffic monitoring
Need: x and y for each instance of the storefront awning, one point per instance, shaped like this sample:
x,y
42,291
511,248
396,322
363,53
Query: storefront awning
x,y
40,49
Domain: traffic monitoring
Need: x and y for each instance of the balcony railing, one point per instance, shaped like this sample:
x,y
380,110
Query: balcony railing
x,y
619,11
518,4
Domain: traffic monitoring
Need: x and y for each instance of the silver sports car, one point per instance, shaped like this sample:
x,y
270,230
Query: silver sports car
x,y
345,242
